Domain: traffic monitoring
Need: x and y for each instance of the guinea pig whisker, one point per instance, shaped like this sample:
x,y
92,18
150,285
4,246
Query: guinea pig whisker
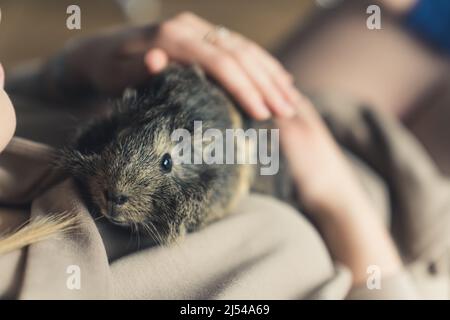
x,y
99,217
150,232
137,234
158,236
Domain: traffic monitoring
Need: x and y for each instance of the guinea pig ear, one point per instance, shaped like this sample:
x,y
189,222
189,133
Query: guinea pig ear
x,y
175,74
76,163
129,94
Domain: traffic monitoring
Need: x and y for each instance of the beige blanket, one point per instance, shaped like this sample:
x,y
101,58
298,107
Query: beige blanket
x,y
264,251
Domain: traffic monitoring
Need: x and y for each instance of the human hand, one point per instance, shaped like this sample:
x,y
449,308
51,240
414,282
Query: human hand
x,y
110,62
331,193
326,181
256,80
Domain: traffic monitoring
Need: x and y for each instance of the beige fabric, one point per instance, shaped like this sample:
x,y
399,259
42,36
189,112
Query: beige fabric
x,y
266,250
399,286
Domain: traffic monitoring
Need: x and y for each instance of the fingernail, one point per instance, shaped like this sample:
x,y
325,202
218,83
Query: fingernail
x,y
293,94
261,110
156,60
290,77
264,112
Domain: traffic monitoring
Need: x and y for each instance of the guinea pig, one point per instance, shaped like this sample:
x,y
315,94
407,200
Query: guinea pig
x,y
126,167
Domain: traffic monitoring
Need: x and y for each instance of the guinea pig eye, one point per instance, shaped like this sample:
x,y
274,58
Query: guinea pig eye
x,y
166,163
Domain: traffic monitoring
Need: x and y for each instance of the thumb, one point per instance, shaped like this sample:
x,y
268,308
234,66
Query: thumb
x,y
156,60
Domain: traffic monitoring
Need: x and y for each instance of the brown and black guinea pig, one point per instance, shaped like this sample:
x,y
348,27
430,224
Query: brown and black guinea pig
x,y
127,170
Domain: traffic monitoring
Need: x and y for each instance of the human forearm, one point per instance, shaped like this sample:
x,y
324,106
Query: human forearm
x,y
357,238
330,191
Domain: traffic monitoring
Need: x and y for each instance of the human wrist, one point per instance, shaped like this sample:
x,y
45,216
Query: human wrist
x,y
344,204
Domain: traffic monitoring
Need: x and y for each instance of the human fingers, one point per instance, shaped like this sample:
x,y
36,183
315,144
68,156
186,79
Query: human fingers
x,y
268,76
237,81
275,93
184,43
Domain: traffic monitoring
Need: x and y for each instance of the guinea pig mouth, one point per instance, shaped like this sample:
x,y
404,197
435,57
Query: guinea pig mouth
x,y
116,217
122,219
118,222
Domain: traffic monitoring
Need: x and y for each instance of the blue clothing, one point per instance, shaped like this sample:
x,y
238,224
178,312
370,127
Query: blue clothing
x,y
431,20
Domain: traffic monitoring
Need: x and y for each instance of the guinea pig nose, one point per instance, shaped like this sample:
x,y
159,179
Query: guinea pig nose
x,y
116,199
119,199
